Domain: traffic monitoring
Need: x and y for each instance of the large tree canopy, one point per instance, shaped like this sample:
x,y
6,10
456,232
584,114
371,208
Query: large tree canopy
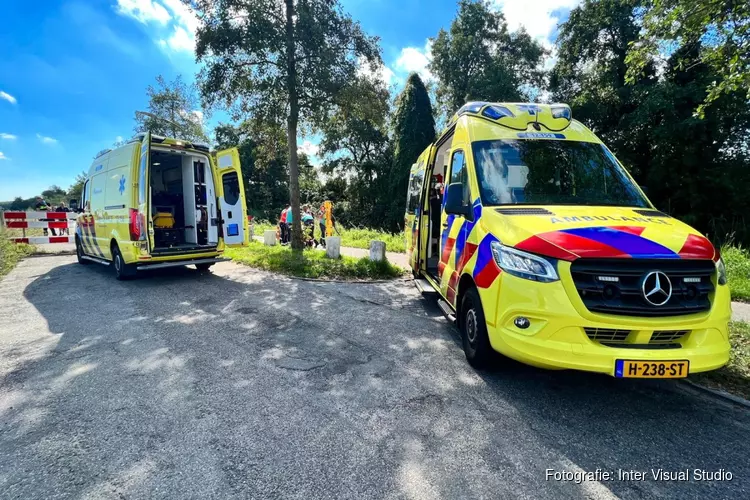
x,y
721,27
173,111
478,59
413,130
277,59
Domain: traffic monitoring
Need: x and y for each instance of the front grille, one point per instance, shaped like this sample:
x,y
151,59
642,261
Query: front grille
x,y
607,335
613,286
667,336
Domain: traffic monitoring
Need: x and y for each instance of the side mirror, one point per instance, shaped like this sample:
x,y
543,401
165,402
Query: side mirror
x,y
454,201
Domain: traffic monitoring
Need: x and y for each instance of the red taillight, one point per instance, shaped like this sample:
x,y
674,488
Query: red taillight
x,y
135,225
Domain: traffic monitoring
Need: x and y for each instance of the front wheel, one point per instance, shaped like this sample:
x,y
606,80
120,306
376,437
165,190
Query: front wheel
x,y
123,271
473,328
80,254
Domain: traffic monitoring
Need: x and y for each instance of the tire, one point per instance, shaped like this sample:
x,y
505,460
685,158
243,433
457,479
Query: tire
x,y
473,328
123,271
203,268
80,253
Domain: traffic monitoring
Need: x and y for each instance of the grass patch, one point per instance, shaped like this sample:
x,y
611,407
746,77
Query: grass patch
x,y
354,238
11,253
311,263
737,261
735,376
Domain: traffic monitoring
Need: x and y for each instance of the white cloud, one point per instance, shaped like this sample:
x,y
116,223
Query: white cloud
x,y
186,23
3,157
8,137
118,139
7,97
144,11
199,115
45,139
415,59
180,39
382,72
539,21
309,148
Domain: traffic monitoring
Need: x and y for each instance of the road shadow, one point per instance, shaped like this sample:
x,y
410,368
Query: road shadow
x,y
253,385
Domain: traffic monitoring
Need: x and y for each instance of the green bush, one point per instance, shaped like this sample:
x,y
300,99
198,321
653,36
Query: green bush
x,y
311,263
737,261
11,253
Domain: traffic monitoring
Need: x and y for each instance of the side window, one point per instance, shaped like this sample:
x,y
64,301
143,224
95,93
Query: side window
x,y
142,182
85,196
231,188
415,189
459,174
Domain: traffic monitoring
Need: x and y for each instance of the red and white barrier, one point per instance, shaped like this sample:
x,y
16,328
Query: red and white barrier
x,y
28,220
43,240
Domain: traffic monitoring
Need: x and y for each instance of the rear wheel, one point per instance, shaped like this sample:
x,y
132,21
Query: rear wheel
x,y
203,267
473,328
123,271
80,254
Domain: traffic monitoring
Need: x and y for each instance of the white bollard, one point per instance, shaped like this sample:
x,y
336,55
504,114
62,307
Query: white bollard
x,y
377,250
269,237
333,247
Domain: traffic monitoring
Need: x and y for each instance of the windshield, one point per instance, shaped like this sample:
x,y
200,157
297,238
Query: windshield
x,y
547,172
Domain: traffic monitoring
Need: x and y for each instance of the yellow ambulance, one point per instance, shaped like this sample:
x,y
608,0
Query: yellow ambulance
x,y
542,247
157,202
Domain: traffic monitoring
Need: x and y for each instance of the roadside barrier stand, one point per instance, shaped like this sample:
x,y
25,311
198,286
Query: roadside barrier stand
x,y
333,247
377,250
28,220
269,237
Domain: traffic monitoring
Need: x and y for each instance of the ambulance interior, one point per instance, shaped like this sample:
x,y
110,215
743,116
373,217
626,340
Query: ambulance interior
x,y
183,201
435,201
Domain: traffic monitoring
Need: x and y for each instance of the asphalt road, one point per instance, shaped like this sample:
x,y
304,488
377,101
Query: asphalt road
x,y
241,384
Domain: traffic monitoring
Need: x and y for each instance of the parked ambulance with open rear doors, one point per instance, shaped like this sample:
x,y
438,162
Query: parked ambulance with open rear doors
x,y
157,202
544,249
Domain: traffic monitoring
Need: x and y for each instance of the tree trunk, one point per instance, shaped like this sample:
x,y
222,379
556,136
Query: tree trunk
x,y
291,127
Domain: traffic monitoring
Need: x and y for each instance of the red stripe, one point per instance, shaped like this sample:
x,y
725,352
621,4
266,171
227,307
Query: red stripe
x,y
636,230
15,215
697,247
468,252
20,240
486,276
583,247
17,224
539,246
447,249
58,239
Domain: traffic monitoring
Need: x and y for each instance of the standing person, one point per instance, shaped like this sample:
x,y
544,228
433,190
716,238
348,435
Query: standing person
x,y
308,226
322,224
42,206
63,208
283,225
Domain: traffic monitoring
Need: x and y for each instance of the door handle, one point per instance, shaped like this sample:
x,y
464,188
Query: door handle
x,y
445,224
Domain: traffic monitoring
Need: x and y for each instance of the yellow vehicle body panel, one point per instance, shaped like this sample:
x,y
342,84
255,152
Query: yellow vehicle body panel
x,y
112,191
558,317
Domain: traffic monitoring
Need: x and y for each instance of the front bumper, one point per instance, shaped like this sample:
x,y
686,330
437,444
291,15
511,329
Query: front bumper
x,y
556,338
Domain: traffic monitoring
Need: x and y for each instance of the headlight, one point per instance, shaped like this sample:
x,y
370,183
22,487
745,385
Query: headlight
x,y
722,272
522,264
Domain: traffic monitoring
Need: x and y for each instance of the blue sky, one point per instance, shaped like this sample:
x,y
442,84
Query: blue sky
x,y
73,73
